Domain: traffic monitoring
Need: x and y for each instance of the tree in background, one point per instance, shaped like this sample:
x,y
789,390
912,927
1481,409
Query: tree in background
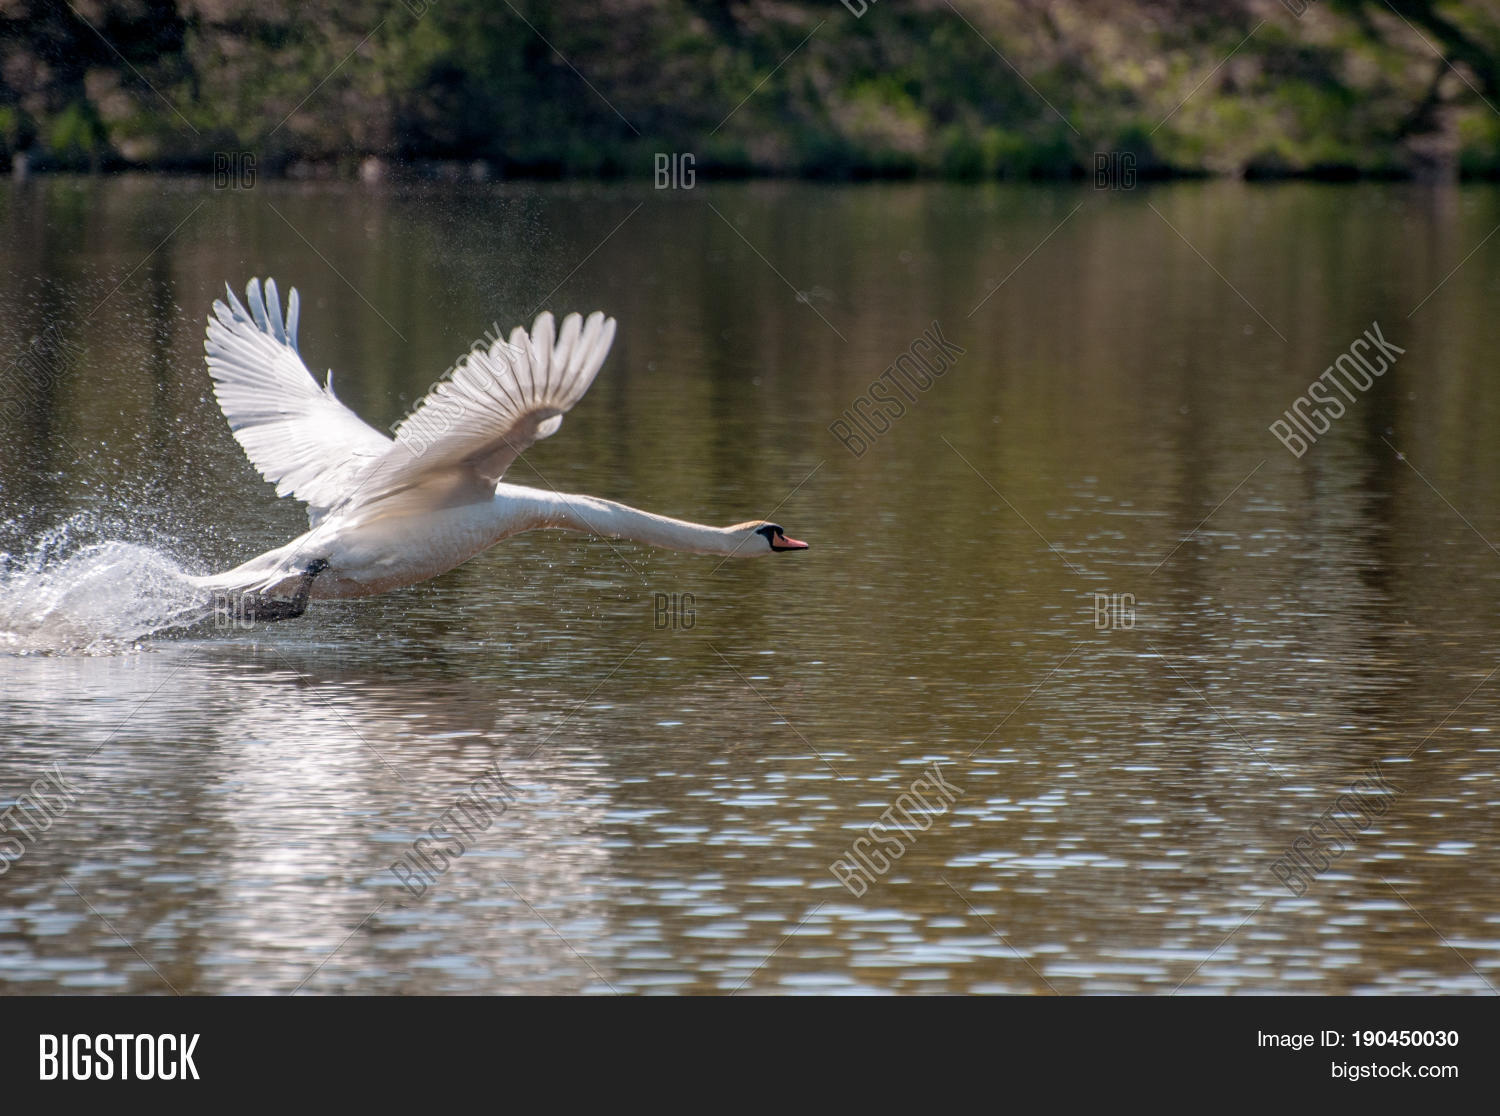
x,y
972,88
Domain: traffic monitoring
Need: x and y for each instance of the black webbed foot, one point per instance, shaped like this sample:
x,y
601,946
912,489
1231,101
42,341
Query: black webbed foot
x,y
254,607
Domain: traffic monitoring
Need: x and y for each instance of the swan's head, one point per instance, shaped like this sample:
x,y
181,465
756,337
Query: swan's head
x,y
770,535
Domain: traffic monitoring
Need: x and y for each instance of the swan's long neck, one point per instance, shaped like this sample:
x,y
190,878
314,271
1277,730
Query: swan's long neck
x,y
618,521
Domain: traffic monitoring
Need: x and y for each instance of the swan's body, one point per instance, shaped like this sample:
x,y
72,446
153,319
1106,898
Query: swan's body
x,y
387,513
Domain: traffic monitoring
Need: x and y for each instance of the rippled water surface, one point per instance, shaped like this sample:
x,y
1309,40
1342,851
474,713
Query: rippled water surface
x,y
689,773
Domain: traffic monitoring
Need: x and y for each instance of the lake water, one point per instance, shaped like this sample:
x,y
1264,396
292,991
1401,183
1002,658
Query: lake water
x,y
1125,645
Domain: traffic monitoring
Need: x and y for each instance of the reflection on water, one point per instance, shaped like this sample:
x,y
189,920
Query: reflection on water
x,y
1129,767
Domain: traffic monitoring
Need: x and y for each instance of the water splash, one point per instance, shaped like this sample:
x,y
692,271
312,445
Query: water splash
x,y
73,592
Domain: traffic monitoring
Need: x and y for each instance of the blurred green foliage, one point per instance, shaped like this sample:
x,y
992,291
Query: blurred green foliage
x,y
967,89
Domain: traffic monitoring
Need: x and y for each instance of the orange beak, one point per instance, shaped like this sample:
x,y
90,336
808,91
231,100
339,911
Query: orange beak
x,y
781,542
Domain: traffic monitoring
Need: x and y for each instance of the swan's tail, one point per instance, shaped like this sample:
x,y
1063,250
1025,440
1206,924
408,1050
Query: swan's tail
x,y
268,574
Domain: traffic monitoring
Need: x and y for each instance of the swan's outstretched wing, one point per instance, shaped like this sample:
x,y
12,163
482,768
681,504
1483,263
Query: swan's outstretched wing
x,y
295,432
498,401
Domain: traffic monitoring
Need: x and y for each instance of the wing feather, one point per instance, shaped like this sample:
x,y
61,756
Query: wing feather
x,y
295,432
498,401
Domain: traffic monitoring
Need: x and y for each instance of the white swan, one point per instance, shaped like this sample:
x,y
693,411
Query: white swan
x,y
386,513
